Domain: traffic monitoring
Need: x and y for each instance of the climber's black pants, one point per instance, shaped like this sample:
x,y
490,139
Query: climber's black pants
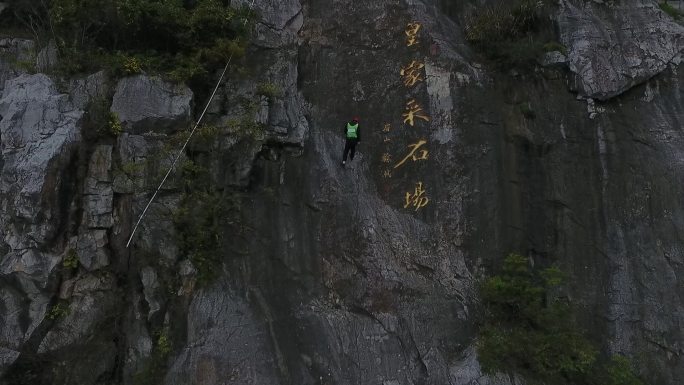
x,y
350,145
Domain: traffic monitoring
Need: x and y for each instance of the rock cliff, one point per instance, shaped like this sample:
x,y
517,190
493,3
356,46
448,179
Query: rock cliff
x,y
321,274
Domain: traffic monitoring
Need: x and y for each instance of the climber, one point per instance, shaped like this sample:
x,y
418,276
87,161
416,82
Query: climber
x,y
352,133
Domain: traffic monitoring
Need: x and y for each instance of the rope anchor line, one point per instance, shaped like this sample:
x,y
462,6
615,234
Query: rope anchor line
x,y
182,150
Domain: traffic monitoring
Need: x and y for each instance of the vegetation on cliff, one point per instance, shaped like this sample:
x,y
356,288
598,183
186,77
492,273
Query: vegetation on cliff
x,y
530,331
181,39
512,34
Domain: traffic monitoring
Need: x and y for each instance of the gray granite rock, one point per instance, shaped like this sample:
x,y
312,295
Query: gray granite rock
x,y
98,193
150,282
225,340
90,303
279,21
7,357
84,90
91,248
331,275
554,58
613,47
39,124
145,103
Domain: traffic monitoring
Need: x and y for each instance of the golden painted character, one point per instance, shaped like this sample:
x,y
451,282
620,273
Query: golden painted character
x,y
413,110
417,199
412,34
411,73
421,155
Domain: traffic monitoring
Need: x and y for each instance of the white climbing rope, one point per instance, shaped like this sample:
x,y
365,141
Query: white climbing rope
x,y
182,150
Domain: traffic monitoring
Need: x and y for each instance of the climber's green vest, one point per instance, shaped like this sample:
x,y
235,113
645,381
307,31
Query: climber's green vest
x,y
352,131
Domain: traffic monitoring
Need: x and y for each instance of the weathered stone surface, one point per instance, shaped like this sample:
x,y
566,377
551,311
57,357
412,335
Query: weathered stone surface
x,y
228,342
188,275
138,340
12,52
84,90
613,47
92,251
98,193
38,130
11,328
282,115
357,285
553,59
145,103
90,303
148,277
38,126
359,349
145,161
7,357
279,21
19,320
467,371
286,112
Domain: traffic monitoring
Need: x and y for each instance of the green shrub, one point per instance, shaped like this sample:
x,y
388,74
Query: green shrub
x,y
268,90
132,65
245,125
98,121
133,169
183,39
508,33
502,21
206,135
201,220
555,46
115,127
618,371
672,11
71,259
155,366
163,346
60,310
528,331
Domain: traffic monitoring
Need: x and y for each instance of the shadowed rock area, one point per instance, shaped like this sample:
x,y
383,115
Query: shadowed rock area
x,y
323,274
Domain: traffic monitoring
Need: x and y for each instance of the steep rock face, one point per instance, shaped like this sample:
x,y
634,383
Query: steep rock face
x,y
59,290
38,130
231,328
226,340
142,100
356,275
610,49
497,181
